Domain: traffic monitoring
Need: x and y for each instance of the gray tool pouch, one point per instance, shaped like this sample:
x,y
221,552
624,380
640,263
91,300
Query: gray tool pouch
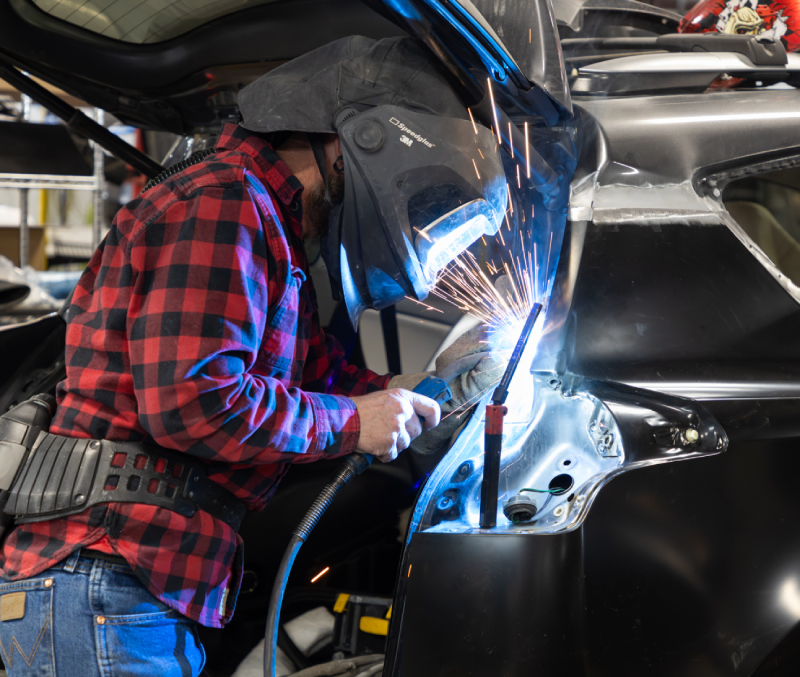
x,y
64,476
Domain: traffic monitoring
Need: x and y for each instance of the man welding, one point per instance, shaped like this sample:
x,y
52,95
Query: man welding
x,y
196,367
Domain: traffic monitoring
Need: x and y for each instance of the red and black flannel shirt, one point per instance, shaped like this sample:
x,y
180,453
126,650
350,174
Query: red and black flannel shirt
x,y
195,327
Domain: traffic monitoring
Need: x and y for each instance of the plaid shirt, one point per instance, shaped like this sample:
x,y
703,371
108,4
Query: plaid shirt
x,y
195,327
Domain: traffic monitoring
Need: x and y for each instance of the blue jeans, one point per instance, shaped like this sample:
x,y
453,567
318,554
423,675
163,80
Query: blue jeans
x,y
91,618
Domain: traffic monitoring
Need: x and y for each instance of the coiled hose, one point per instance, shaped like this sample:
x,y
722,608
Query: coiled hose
x,y
351,466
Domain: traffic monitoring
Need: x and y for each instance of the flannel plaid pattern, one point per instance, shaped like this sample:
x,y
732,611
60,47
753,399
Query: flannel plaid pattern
x,y
195,327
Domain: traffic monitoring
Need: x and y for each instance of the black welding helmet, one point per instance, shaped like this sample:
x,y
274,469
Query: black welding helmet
x,y
422,181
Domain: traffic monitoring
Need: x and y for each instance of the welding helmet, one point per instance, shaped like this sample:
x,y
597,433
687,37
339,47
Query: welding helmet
x,y
422,180
779,19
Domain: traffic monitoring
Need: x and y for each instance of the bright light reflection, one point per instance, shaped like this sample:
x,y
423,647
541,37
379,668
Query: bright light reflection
x,y
728,117
790,597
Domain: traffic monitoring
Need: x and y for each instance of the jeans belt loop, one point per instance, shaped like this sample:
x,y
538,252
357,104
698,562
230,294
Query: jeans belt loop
x,y
72,561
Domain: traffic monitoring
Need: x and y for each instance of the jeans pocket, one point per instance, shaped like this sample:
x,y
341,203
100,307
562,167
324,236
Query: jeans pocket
x,y
161,643
26,627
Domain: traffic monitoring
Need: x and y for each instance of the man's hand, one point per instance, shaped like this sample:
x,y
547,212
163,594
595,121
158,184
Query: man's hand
x,y
390,420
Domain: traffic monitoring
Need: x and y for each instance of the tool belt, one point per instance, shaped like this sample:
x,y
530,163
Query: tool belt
x,y
64,476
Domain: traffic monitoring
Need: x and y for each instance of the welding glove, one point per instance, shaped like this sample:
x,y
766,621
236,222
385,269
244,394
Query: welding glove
x,y
408,381
470,369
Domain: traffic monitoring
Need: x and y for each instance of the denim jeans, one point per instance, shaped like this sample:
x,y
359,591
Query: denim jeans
x,y
92,618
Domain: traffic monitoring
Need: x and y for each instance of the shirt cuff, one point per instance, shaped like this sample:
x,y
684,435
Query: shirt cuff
x,y
336,424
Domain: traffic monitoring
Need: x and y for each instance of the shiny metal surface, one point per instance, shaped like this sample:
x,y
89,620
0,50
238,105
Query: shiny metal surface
x,y
528,30
686,63
571,12
561,425
659,141
677,71
47,181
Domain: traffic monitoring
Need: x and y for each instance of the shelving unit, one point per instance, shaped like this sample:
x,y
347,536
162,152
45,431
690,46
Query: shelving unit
x,y
61,162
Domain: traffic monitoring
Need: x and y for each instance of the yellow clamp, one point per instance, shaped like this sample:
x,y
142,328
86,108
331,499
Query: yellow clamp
x,y
341,603
373,626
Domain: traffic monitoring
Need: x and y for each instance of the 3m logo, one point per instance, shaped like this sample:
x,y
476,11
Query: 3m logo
x,y
410,133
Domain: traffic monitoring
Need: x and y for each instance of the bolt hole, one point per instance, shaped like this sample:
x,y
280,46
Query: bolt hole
x,y
570,497
567,462
563,483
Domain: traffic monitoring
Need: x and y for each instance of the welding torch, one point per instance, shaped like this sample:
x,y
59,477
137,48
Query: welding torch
x,y
493,436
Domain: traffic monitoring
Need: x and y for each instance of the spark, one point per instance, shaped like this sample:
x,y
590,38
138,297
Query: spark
x,y
494,109
510,140
425,305
482,158
425,235
527,152
547,266
463,407
519,185
530,34
510,200
476,169
474,126
320,574
465,284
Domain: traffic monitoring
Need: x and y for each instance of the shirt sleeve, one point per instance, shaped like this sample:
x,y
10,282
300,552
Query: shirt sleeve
x,y
326,371
196,320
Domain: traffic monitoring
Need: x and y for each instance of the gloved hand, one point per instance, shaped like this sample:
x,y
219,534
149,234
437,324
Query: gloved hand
x,y
470,369
408,381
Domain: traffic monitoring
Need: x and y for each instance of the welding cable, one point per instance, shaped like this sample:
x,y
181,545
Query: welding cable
x,y
288,647
351,466
347,666
372,670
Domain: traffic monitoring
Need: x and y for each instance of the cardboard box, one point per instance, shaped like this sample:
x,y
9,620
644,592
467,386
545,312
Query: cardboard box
x,y
9,245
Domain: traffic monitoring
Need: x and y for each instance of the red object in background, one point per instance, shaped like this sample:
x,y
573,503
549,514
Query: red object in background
x,y
778,19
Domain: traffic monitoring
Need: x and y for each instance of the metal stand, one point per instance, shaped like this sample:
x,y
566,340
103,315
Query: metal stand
x,y
24,234
25,182
99,175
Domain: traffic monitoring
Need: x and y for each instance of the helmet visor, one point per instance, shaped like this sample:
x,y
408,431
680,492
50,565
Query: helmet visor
x,y
444,239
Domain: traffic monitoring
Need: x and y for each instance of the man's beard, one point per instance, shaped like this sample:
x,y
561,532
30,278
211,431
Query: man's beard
x,y
317,210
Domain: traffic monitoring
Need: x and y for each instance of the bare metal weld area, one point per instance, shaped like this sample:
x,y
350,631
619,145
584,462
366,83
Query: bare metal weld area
x,y
654,217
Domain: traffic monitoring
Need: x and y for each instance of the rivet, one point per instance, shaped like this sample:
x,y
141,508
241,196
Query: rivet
x,y
197,478
191,494
95,444
692,435
294,205
80,498
48,583
559,511
101,620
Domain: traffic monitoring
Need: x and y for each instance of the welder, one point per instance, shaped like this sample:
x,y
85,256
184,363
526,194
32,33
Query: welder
x,y
196,367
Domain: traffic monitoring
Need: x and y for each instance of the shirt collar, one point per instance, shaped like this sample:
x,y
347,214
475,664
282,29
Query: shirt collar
x,y
286,185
